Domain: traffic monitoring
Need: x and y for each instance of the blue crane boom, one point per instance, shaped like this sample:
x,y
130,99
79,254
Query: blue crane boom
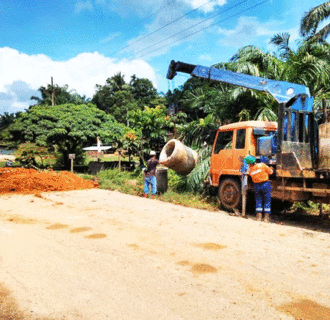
x,y
282,91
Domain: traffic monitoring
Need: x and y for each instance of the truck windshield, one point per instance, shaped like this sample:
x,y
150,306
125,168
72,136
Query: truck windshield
x,y
224,141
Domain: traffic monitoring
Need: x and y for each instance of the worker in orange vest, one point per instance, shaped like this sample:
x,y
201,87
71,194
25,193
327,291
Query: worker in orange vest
x,y
259,173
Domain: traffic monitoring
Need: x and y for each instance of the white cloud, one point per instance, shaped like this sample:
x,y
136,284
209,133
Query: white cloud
x,y
247,32
205,57
26,73
128,7
161,35
170,26
204,5
83,5
147,7
17,97
110,37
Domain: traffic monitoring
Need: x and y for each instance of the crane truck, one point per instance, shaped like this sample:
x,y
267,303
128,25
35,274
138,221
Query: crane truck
x,y
297,146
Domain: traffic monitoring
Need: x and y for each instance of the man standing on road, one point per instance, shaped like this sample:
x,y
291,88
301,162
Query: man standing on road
x,y
259,173
150,175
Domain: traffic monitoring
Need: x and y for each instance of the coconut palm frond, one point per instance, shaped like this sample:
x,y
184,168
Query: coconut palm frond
x,y
244,115
321,34
313,17
196,178
281,40
204,152
266,114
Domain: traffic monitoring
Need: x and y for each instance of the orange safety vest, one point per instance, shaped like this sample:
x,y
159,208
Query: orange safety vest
x,y
260,172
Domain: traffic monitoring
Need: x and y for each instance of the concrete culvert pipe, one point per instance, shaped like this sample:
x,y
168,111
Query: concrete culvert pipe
x,y
175,155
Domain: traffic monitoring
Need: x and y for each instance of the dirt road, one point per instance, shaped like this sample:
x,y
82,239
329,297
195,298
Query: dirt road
x,y
97,254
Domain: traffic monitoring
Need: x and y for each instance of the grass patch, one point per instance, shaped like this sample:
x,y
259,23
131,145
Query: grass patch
x,y
132,183
87,176
123,181
189,199
310,208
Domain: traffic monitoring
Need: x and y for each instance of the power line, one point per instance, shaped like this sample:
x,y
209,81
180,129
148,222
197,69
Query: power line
x,y
222,20
173,35
149,16
164,26
162,8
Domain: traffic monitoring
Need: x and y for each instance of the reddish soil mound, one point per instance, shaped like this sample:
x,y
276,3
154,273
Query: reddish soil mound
x,y
20,180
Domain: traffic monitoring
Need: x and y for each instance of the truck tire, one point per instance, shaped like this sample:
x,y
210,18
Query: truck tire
x,y
230,194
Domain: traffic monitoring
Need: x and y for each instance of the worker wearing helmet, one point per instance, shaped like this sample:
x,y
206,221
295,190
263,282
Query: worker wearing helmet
x,y
149,174
259,173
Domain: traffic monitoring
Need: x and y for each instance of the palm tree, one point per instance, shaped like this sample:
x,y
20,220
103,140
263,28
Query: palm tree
x,y
312,19
117,82
249,103
309,65
62,96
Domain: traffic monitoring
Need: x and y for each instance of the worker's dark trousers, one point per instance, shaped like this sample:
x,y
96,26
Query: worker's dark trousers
x,y
263,197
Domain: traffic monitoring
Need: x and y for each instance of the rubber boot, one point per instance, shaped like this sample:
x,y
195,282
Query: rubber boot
x,y
259,216
267,217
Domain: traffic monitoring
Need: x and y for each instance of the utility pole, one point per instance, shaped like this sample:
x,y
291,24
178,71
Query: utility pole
x,y
53,93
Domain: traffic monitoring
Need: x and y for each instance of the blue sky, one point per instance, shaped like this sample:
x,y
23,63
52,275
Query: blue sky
x,y
83,42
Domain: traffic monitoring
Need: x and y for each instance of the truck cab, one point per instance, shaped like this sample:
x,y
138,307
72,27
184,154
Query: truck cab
x,y
233,142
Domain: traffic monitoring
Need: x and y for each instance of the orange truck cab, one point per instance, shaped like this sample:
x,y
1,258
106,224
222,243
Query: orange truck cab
x,y
233,142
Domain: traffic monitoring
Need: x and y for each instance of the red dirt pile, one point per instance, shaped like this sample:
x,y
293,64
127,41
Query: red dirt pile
x,y
25,181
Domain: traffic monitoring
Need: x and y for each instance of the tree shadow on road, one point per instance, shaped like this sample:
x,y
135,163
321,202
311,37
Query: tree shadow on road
x,y
299,219
302,219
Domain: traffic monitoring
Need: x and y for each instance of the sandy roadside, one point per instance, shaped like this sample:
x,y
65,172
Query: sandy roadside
x,y
97,254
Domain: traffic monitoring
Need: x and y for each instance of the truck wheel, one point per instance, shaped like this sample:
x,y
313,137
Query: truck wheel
x,y
230,194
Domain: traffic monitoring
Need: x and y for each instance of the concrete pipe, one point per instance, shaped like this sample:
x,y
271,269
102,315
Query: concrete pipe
x,y
175,155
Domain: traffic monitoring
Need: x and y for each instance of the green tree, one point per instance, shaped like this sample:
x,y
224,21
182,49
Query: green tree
x,y
123,101
309,65
117,97
113,132
5,121
198,132
311,20
62,95
69,127
152,125
7,118
143,91
29,153
104,97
